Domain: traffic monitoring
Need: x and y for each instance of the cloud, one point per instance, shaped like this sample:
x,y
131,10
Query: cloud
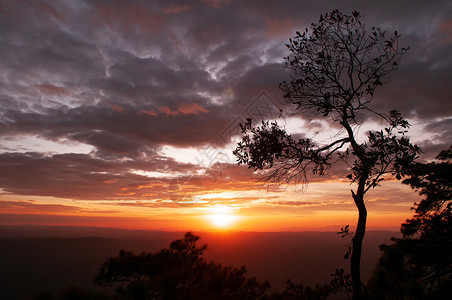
x,y
217,3
82,176
185,109
280,27
128,16
446,28
31,206
50,11
131,77
192,108
173,8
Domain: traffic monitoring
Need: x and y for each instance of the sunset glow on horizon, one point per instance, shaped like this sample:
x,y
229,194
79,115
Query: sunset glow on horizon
x,y
125,113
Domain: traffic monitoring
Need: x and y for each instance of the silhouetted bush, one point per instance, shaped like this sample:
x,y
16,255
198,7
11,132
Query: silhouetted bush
x,y
177,272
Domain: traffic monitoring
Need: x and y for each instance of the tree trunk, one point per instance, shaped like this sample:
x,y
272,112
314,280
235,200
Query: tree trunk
x,y
355,261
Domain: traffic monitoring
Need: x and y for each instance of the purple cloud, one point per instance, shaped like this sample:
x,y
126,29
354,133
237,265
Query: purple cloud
x,y
130,77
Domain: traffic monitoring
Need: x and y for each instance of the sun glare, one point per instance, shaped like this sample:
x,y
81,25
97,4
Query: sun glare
x,y
221,216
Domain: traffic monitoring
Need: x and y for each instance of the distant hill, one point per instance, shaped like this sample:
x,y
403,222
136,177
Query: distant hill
x,y
34,258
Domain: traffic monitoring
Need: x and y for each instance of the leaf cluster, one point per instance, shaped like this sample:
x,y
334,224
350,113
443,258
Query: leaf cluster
x,y
387,151
337,65
341,282
345,232
271,149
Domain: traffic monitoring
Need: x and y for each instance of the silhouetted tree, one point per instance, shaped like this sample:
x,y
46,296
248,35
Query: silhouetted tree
x,y
178,272
434,181
419,265
335,70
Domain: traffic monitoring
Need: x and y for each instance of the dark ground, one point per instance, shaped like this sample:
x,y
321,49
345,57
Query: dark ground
x,y
36,258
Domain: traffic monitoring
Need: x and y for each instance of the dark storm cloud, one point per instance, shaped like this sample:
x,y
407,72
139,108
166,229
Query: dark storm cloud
x,y
129,77
123,129
440,140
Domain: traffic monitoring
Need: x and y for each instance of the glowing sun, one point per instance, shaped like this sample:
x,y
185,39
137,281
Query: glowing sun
x,y
221,216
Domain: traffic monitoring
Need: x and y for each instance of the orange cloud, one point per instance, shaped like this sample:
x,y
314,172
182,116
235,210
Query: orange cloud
x,y
148,112
110,181
125,194
185,109
144,186
166,110
193,108
33,207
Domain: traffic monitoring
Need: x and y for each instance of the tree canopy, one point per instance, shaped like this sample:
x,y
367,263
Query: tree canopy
x,y
177,272
419,265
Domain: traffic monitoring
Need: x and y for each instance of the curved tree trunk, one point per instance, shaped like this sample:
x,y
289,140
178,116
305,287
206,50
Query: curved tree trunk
x,y
358,198
355,261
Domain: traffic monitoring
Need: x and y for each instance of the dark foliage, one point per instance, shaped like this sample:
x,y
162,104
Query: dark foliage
x,y
178,272
434,181
419,265
340,286
295,291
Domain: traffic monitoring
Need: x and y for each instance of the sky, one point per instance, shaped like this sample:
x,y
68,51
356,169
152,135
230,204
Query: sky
x,y
125,113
